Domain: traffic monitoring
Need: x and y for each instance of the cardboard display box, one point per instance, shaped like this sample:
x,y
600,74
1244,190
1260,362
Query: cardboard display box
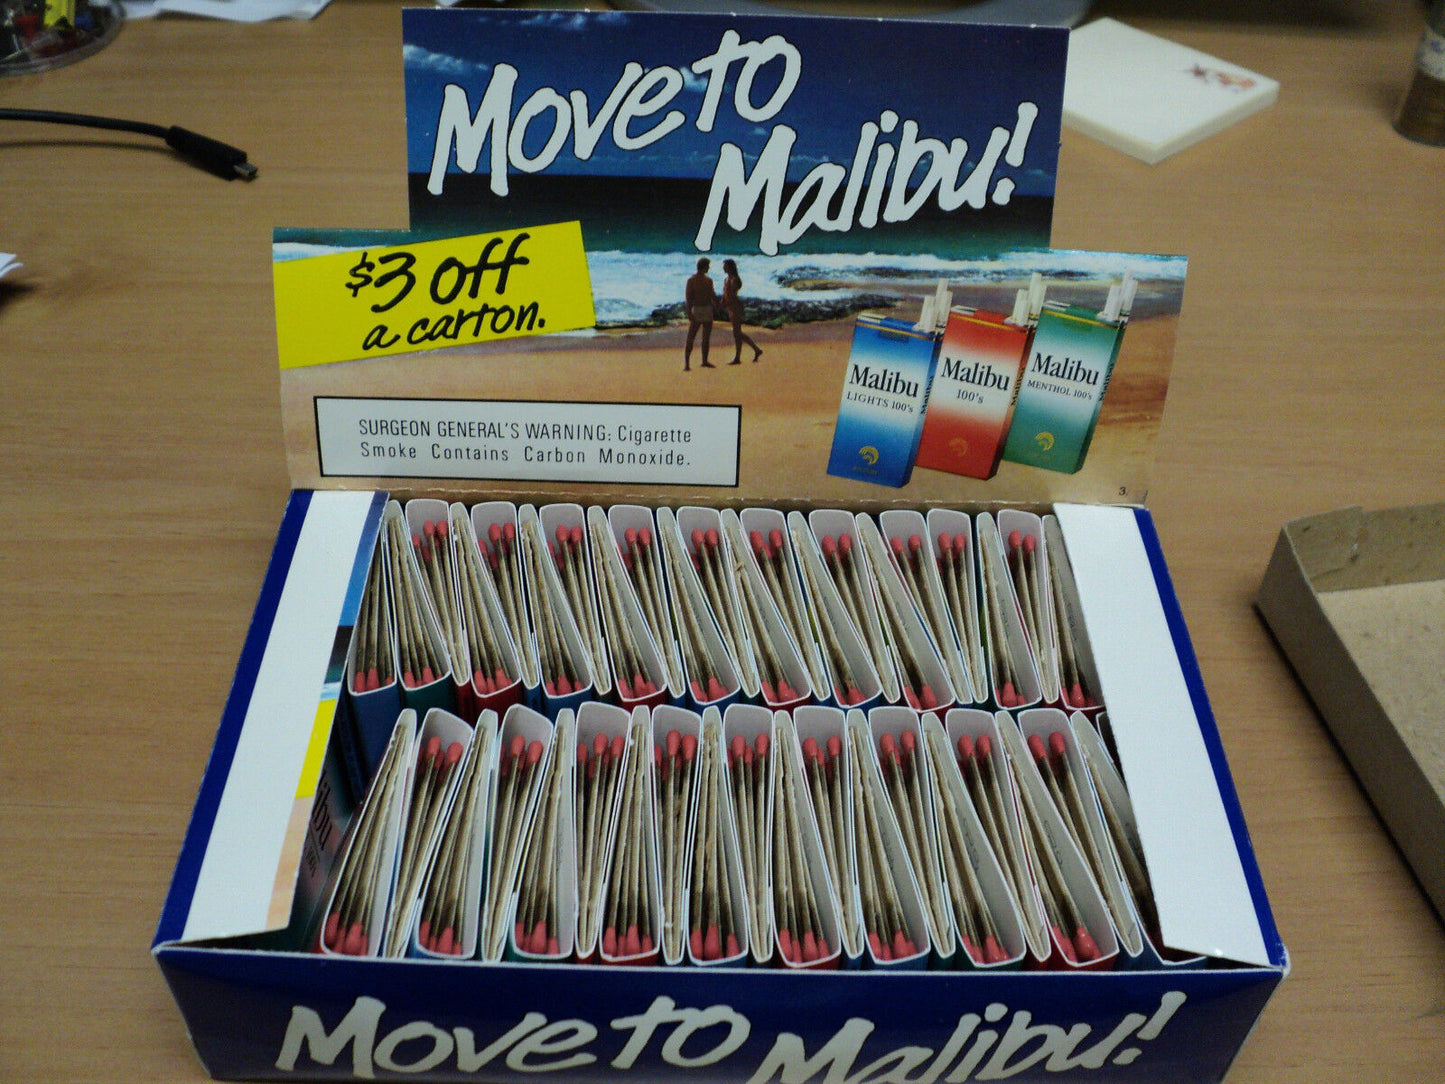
x,y
1357,602
257,1013
616,410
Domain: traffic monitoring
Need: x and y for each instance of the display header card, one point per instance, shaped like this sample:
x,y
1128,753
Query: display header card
x,y
744,190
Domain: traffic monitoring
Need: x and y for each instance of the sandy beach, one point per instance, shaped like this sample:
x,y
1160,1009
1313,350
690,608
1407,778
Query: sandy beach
x,y
788,399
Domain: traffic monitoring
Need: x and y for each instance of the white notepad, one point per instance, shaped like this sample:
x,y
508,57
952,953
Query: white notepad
x,y
1149,97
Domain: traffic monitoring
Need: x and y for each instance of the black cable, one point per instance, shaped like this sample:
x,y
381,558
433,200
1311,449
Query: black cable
x,y
211,155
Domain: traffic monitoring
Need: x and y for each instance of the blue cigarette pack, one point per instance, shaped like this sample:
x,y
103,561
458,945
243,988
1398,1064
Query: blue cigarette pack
x,y
885,391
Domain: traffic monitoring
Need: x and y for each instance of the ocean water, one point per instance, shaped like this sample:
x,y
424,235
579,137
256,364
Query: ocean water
x,y
640,252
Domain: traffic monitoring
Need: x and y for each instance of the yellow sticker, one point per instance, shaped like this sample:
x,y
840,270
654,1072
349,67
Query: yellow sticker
x,y
400,299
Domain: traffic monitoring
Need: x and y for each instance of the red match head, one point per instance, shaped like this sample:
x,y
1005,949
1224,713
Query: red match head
x,y
845,543
775,538
563,535
829,546
576,534
494,532
689,746
835,745
1029,543
965,747
509,531
945,542
1036,747
984,747
645,536
630,535
1015,539
712,536
697,538
1057,745
761,744
897,545
674,742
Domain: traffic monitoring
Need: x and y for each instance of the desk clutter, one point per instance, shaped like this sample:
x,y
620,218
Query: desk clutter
x,y
708,737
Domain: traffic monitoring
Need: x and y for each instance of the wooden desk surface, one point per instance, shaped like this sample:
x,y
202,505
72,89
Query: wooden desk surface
x,y
144,475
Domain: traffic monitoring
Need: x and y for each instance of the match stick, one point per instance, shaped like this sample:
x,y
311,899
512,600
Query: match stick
x,y
1005,673
349,919
434,555
706,560
972,914
628,663
772,677
976,763
1131,857
518,772
597,801
705,683
883,918
825,768
641,567
749,768
674,761
840,679
916,690
372,667
1078,946
504,559
801,938
434,767
577,582
440,928
953,571
488,664
712,931
1058,776
560,675
629,929
771,559
1020,556
535,929
899,765
1072,675
421,666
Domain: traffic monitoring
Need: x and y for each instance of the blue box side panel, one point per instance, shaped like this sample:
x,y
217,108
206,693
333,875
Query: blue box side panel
x,y
213,784
254,1016
1209,730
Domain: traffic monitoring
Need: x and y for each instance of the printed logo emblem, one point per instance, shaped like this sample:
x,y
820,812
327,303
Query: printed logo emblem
x,y
869,454
1045,441
958,446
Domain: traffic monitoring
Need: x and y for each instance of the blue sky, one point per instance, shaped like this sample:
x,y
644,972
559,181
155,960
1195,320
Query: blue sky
x,y
955,80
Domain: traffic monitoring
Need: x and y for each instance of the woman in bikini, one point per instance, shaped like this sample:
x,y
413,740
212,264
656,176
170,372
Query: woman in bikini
x,y
733,305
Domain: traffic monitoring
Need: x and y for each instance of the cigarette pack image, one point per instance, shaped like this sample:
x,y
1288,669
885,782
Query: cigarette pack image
x,y
1063,387
613,711
975,384
884,393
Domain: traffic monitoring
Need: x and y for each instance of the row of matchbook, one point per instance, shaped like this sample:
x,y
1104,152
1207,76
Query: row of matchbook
x,y
637,736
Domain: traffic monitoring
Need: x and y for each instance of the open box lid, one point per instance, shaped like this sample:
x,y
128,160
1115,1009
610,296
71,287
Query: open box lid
x,y
568,170
238,868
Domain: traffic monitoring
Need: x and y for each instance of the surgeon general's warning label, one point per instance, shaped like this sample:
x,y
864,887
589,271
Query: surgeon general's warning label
x,y
653,444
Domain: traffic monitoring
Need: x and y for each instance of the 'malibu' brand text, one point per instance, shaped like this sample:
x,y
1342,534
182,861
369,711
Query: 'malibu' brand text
x,y
888,380
1067,368
979,374
884,180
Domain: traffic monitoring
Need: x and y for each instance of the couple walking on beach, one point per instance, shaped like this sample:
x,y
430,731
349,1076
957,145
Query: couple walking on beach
x,y
700,302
